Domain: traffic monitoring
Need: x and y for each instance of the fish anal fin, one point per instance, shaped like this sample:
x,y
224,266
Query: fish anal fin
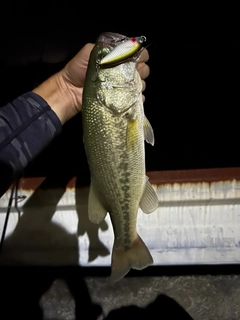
x,y
137,256
149,200
96,211
148,131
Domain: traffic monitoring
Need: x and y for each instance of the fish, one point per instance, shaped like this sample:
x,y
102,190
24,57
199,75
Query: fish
x,y
115,130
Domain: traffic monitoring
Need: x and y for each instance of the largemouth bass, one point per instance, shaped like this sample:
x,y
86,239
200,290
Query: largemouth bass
x,y
114,130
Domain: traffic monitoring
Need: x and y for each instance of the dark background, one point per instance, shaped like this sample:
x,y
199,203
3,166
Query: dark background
x,y
192,94
192,102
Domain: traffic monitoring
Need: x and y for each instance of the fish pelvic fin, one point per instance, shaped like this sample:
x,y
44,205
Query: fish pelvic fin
x,y
149,200
96,211
137,256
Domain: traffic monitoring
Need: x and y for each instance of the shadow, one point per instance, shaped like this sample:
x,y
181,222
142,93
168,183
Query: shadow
x,y
36,239
39,241
36,232
22,289
163,308
7,177
96,247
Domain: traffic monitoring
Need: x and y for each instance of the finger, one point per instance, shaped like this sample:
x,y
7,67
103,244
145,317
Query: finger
x,y
80,60
143,70
144,57
143,85
76,68
143,97
84,54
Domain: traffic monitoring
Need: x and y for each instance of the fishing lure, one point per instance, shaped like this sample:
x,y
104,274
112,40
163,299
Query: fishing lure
x,y
123,51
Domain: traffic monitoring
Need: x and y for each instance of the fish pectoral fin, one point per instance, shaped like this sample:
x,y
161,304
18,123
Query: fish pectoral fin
x,y
149,200
148,131
137,256
96,211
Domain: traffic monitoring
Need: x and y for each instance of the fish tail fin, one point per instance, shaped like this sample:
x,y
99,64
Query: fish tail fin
x,y
137,256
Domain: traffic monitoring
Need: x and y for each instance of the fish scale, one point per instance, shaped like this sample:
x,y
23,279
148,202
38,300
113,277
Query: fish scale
x,y
113,158
114,129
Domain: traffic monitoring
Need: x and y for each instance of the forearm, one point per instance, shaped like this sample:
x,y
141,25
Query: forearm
x,y
59,95
27,126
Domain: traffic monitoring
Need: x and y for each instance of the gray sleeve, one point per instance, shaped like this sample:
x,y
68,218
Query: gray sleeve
x,y
27,126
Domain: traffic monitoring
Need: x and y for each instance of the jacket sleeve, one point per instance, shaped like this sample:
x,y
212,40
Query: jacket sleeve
x,y
27,126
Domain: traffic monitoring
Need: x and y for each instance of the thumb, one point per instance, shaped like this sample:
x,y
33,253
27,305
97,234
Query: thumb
x,y
76,68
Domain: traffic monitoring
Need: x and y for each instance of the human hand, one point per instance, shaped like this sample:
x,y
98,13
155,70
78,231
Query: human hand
x,y
75,71
74,74
63,91
143,69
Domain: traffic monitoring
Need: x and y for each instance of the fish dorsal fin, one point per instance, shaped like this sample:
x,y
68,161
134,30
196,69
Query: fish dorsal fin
x,y
149,200
96,211
148,131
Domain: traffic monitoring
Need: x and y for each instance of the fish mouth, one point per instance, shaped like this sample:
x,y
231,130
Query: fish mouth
x,y
107,41
111,39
